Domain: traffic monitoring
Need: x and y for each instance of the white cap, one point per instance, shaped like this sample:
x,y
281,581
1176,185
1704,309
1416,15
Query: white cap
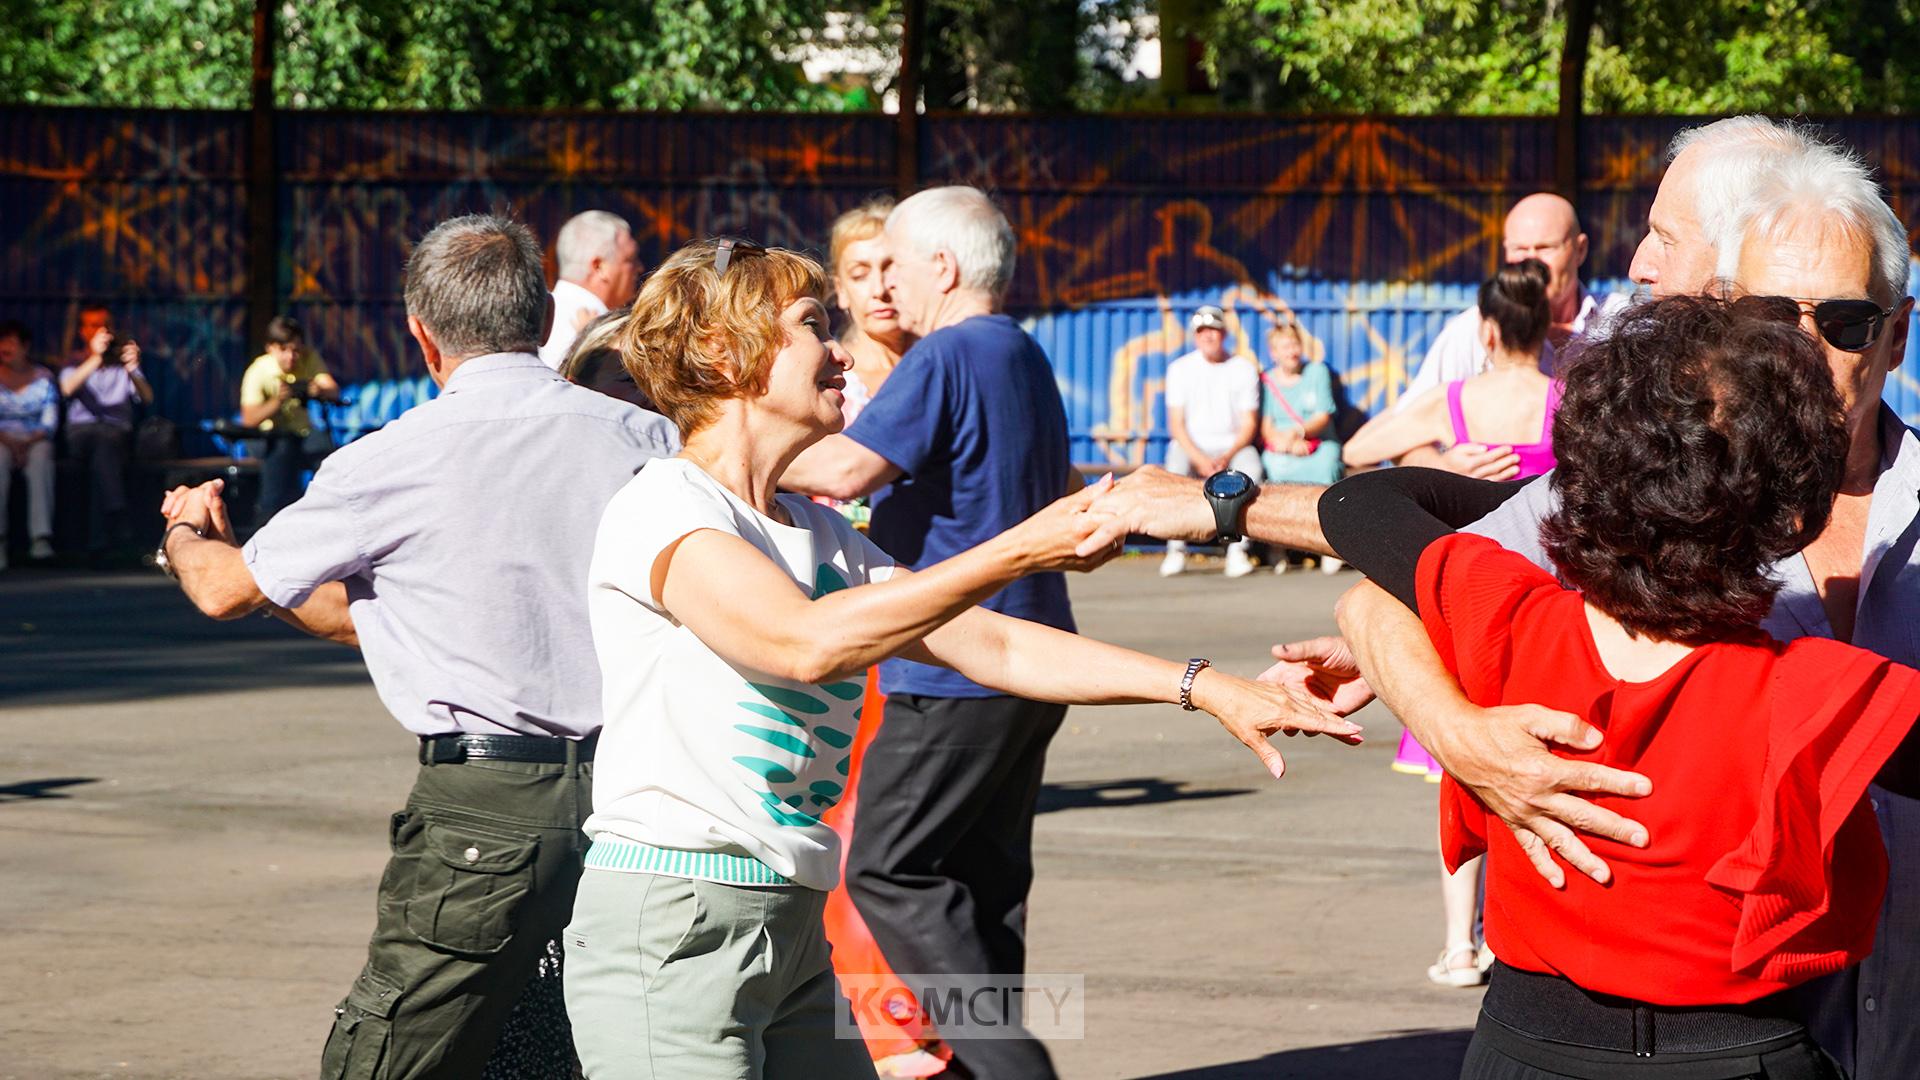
x,y
1208,317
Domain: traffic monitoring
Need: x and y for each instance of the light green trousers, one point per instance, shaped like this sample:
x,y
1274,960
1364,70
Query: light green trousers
x,y
674,979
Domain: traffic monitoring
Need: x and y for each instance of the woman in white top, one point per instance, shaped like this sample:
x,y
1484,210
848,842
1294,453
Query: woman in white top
x,y
734,628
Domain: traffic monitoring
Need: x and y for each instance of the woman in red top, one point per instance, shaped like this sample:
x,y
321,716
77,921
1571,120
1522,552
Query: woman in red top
x,y
1697,446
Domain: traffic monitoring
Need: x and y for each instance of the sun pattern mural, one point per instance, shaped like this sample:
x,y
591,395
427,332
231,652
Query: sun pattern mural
x,y
1368,233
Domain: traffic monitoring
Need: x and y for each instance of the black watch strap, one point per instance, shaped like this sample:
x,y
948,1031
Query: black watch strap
x,y
1230,513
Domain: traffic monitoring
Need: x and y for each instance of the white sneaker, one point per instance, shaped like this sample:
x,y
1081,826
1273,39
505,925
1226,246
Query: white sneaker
x,y
42,548
1331,566
1174,563
1238,565
1280,564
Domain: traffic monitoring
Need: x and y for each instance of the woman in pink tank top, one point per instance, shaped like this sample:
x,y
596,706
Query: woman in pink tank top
x,y
1535,457
1510,403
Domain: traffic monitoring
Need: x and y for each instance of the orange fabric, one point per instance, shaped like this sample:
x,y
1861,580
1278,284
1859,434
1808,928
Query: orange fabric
x,y
1766,867
854,950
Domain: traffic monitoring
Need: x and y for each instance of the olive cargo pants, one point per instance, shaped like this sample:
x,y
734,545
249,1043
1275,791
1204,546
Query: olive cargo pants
x,y
486,858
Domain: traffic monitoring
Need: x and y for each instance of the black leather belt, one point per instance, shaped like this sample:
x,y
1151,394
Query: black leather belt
x,y
538,749
1553,1008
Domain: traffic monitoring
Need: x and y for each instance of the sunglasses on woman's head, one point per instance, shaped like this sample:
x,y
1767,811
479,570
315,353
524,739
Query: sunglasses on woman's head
x,y
1847,325
724,251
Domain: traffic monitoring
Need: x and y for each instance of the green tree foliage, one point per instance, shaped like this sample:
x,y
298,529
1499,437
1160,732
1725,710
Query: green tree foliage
x,y
432,54
182,53
1502,56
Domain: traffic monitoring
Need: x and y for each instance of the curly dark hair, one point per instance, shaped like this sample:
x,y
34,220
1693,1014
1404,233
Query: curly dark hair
x,y
1699,442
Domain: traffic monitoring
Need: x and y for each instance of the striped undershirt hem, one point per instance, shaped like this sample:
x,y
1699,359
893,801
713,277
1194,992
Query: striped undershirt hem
x,y
626,856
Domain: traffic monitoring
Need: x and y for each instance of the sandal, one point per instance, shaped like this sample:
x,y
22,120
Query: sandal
x,y
1445,973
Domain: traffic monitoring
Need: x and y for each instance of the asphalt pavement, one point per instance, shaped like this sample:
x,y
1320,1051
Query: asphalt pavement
x,y
194,823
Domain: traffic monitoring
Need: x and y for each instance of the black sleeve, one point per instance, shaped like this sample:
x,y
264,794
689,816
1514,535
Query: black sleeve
x,y
1381,521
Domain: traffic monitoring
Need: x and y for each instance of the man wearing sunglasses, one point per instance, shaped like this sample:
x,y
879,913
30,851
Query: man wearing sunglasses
x,y
1811,242
1767,210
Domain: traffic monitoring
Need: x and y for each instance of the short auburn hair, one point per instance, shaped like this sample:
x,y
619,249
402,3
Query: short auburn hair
x,y
1697,444
697,338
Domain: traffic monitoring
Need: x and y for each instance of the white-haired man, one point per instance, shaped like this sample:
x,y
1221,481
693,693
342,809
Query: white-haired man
x,y
1769,209
599,271
971,434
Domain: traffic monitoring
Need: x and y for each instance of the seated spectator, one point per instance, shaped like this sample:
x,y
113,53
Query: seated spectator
x,y
1213,413
1511,404
594,361
101,382
1296,421
273,397
29,413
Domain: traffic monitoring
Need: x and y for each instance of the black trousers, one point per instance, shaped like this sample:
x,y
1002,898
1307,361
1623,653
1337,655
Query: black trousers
x,y
942,851
105,450
1499,1053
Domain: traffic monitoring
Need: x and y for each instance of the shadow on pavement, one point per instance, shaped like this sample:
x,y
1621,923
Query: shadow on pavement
x,y
1410,1055
1141,791
42,789
71,638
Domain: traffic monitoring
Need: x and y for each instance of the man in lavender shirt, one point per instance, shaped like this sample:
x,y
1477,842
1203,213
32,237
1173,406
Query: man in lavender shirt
x,y
453,546
101,382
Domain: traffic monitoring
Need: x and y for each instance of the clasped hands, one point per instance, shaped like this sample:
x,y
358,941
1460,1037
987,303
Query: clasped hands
x,y
202,508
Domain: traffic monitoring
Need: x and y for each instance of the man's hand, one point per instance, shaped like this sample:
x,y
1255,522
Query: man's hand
x,y
1053,539
1155,502
1480,462
201,507
1501,756
130,356
1324,669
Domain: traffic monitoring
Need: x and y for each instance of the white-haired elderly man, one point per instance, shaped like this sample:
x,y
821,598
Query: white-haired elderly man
x,y
971,434
1763,208
599,272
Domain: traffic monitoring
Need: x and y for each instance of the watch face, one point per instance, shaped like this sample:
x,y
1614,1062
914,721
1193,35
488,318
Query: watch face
x,y
1228,485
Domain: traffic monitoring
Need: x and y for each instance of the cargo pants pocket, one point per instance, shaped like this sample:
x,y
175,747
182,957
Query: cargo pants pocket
x,y
469,884
362,1029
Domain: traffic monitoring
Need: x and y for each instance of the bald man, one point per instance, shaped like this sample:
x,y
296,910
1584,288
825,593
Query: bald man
x,y
1541,226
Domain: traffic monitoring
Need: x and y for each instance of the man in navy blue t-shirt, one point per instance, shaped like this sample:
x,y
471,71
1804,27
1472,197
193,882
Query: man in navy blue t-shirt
x,y
970,433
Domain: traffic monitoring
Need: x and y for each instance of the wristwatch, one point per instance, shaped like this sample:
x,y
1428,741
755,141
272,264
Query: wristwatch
x,y
160,559
1229,492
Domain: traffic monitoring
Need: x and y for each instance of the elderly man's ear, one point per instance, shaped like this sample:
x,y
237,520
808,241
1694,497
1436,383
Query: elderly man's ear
x,y
429,349
947,270
1897,327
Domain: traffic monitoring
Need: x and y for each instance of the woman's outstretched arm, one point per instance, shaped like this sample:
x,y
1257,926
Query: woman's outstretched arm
x,y
1029,660
747,609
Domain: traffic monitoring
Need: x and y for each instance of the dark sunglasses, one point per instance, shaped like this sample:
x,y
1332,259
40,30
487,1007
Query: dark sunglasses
x,y
723,253
1847,325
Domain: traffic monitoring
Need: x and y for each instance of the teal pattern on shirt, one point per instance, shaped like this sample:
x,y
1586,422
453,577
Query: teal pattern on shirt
x,y
807,725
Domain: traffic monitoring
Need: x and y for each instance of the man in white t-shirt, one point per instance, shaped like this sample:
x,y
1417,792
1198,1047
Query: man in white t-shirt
x,y
1541,226
599,271
1213,411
